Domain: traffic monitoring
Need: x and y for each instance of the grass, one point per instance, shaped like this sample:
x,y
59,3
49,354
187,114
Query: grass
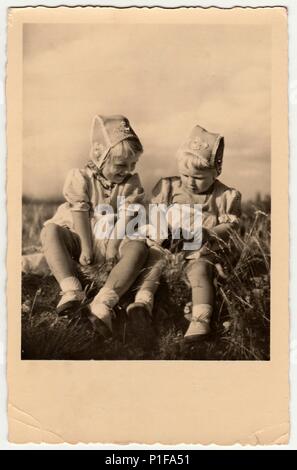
x,y
241,322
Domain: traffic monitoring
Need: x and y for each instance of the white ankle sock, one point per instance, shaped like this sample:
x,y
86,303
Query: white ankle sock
x,y
106,296
202,312
103,312
103,303
145,296
70,283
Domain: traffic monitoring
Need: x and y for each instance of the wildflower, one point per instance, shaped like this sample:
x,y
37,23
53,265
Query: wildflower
x,y
226,325
258,212
248,298
188,311
26,306
258,293
188,308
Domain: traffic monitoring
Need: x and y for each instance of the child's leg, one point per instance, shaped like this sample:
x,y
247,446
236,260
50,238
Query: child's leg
x,y
61,247
140,312
149,279
123,275
120,279
200,275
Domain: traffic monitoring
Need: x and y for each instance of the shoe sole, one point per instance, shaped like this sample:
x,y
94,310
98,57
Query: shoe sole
x,y
195,338
69,307
100,328
138,322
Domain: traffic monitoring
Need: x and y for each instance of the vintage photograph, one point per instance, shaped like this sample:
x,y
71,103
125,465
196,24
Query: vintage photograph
x,y
146,160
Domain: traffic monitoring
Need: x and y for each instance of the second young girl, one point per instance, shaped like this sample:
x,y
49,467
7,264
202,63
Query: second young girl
x,y
200,163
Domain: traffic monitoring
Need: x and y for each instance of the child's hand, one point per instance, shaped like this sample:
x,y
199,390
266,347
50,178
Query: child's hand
x,y
86,257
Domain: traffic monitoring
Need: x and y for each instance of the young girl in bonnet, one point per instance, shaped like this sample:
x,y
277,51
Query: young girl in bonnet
x,y
200,163
70,236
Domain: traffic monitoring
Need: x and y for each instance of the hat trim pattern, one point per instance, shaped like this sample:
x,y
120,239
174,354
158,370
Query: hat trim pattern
x,y
205,147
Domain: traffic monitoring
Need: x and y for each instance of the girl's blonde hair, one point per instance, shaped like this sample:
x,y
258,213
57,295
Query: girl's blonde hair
x,y
126,149
192,162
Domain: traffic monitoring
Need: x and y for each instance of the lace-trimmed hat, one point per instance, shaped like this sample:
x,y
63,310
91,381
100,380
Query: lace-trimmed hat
x,y
106,132
207,146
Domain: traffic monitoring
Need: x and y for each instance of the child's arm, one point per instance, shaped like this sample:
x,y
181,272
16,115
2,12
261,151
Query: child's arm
x,y
229,217
117,235
76,193
82,227
222,231
134,194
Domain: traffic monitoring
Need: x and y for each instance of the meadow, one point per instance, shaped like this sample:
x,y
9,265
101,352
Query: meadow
x,y
241,321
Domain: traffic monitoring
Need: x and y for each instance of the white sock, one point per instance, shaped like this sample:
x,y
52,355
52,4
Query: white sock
x,y
70,283
106,296
103,312
202,312
145,296
103,303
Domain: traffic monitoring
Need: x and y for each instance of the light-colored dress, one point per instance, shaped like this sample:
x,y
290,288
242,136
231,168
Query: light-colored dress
x,y
84,190
220,204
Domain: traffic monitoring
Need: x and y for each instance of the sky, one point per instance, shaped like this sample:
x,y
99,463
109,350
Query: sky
x,y
164,78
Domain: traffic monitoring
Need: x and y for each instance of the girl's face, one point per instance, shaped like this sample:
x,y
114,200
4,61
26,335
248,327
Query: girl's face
x,y
116,169
197,181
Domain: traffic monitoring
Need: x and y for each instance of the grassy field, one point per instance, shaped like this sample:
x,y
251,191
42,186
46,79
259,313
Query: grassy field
x,y
241,322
